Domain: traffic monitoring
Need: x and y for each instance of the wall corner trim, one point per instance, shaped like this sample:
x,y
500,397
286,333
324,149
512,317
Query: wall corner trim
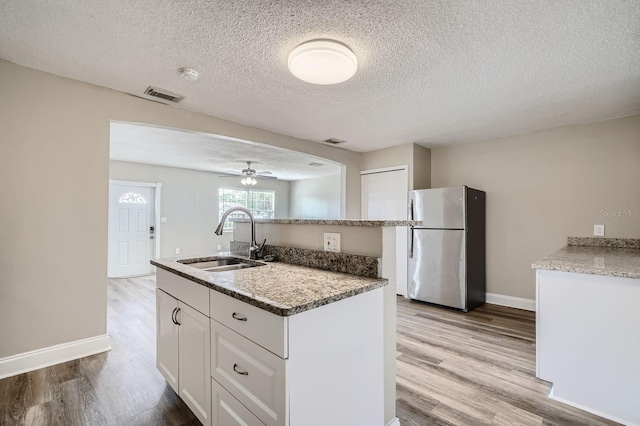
x,y
52,355
394,422
511,302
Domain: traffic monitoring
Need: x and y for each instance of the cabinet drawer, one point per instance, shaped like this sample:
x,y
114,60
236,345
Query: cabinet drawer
x,y
266,329
227,411
187,291
255,376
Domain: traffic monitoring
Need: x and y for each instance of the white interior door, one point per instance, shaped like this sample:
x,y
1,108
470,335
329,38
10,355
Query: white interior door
x,y
384,197
131,213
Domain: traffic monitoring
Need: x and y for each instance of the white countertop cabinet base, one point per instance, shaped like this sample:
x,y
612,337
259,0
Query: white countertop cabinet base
x,y
323,366
333,374
588,343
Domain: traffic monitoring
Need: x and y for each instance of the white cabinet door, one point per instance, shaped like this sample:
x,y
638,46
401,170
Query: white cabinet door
x,y
227,411
194,357
167,338
255,376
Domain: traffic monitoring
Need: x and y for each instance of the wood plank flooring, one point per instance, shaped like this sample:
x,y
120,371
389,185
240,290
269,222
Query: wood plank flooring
x,y
473,369
120,387
453,369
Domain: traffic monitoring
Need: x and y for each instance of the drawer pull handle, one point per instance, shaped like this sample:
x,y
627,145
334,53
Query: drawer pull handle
x,y
235,368
235,316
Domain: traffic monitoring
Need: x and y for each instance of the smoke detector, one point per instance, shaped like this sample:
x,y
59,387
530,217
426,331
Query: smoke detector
x,y
188,74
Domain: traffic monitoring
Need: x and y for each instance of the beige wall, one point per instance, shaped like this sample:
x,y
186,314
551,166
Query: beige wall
x,y
317,198
54,175
189,202
421,167
416,157
545,186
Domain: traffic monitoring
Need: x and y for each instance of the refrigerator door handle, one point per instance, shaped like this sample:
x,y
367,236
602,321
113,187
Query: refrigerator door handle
x,y
411,209
411,246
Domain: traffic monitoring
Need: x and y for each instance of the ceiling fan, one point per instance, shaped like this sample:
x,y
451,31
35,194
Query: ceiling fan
x,y
250,175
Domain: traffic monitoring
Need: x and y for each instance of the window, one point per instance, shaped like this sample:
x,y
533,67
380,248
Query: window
x,y
131,198
260,203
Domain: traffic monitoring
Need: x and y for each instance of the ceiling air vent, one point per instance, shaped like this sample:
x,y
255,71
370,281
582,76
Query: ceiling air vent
x,y
333,141
163,94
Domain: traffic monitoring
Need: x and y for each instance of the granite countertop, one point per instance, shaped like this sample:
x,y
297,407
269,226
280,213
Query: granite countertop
x,y
276,287
370,223
600,257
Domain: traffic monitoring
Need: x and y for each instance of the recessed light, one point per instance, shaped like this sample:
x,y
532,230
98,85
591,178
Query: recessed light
x,y
323,62
188,74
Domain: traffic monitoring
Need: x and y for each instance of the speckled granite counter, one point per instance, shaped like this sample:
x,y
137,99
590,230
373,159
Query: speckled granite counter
x,y
370,223
597,256
276,287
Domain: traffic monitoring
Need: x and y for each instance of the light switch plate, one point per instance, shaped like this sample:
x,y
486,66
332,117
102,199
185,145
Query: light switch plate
x,y
177,250
332,241
598,230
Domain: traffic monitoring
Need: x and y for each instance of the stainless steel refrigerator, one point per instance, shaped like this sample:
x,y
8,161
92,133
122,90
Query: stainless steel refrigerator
x,y
447,252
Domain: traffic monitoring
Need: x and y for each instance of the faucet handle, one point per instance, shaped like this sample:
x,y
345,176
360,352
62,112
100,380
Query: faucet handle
x,y
260,251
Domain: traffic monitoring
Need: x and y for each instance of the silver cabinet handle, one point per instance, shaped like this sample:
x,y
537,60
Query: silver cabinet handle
x,y
176,315
235,368
239,318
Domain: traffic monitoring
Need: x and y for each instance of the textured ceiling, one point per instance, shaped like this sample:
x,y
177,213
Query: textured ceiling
x,y
211,153
432,72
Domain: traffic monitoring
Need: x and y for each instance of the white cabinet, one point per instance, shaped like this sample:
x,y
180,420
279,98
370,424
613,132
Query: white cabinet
x,y
587,342
253,374
193,356
227,411
167,338
183,342
332,373
235,364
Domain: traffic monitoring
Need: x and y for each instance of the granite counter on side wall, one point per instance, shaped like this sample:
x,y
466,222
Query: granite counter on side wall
x,y
586,319
614,257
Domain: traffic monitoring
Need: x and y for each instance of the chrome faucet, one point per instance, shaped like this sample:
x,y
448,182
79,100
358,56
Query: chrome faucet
x,y
253,247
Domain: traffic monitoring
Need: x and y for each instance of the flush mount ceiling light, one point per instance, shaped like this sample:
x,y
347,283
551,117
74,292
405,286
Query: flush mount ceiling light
x,y
323,62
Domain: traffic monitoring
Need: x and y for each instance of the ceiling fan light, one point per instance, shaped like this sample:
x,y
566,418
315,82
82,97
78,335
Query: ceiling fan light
x,y
323,62
248,181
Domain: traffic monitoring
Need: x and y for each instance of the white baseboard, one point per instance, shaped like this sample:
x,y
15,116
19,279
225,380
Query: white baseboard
x,y
394,422
511,302
591,410
40,358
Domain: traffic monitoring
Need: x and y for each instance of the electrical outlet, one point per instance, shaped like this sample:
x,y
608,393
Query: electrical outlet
x,y
331,241
177,250
219,247
598,230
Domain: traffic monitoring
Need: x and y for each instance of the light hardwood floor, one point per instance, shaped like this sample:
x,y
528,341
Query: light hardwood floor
x,y
453,369
473,369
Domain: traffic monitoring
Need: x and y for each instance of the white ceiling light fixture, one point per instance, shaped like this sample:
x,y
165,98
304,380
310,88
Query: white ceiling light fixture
x,y
188,74
323,62
248,181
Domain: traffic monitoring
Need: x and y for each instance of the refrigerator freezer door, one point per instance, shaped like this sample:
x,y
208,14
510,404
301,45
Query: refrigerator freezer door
x,y
438,208
436,271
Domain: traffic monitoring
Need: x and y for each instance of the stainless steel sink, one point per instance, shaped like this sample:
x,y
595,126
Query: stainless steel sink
x,y
220,264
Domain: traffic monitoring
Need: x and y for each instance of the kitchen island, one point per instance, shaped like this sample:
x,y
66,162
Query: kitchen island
x,y
275,344
587,339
